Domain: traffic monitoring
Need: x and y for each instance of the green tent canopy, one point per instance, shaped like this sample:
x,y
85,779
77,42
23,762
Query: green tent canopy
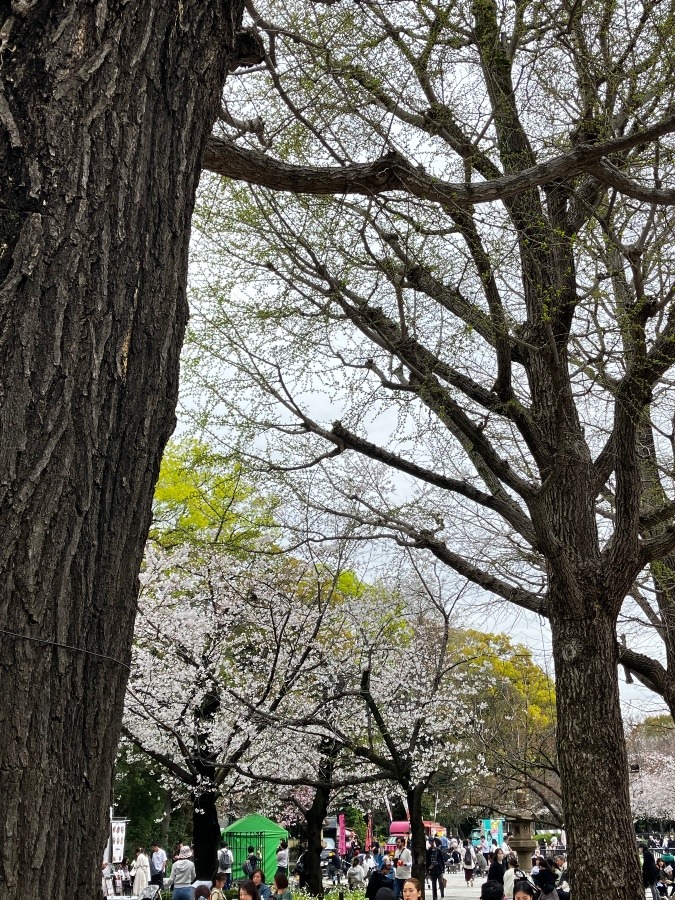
x,y
258,832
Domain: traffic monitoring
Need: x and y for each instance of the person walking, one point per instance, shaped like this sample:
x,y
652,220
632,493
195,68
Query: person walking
x,y
436,868
225,860
402,866
218,889
468,862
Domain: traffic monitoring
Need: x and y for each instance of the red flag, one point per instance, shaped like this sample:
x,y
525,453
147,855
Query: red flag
x,y
342,836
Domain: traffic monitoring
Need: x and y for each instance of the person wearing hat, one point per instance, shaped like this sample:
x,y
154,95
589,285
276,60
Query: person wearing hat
x,y
182,875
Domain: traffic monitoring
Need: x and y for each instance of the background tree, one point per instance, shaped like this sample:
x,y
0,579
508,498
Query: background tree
x,y
220,649
514,728
104,112
202,497
652,761
153,812
483,292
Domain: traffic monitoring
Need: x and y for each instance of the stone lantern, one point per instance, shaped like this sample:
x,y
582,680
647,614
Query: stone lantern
x,y
520,823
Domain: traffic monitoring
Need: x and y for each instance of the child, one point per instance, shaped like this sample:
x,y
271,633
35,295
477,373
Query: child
x,y
218,889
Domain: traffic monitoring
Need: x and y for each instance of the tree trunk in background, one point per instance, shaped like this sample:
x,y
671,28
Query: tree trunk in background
x,y
104,112
591,749
314,816
418,844
205,834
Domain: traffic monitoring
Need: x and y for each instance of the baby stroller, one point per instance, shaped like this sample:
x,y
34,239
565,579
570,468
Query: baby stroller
x,y
151,892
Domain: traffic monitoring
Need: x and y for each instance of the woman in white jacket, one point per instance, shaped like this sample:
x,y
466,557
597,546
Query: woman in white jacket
x,y
182,876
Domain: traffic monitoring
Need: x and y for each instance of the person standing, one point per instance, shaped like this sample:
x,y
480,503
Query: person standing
x,y
142,868
496,870
510,869
282,858
281,890
182,875
225,860
258,879
382,878
157,865
356,877
251,863
402,866
650,872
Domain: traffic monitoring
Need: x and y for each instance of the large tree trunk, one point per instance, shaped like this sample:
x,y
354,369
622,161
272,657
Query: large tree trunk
x,y
104,112
592,754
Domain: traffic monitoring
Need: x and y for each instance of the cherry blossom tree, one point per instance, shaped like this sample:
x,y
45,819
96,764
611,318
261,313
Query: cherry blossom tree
x,y
210,627
650,748
235,660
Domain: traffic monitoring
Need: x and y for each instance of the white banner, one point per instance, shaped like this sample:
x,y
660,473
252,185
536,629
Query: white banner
x,y
119,829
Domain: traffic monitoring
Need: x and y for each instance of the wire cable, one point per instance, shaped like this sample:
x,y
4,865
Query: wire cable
x,y
25,637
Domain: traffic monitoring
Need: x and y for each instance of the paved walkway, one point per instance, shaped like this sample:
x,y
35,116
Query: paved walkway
x,y
457,889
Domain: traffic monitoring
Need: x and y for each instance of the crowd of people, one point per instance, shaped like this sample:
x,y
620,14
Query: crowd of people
x,y
133,879
385,876
377,871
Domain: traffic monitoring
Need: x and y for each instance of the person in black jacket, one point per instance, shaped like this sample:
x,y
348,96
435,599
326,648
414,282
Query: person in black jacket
x,y
650,872
435,867
545,879
496,870
381,878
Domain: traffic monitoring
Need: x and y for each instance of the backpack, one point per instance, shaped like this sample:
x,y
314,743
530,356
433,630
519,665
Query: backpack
x,y
251,864
225,858
468,859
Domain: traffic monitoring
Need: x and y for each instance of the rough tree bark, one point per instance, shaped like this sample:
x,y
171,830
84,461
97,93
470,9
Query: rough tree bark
x,y
104,112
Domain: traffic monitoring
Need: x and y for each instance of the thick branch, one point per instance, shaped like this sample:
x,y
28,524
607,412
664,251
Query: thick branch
x,y
393,172
649,671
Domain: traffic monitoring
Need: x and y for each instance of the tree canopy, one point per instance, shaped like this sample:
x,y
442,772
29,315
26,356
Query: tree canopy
x,y
471,264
